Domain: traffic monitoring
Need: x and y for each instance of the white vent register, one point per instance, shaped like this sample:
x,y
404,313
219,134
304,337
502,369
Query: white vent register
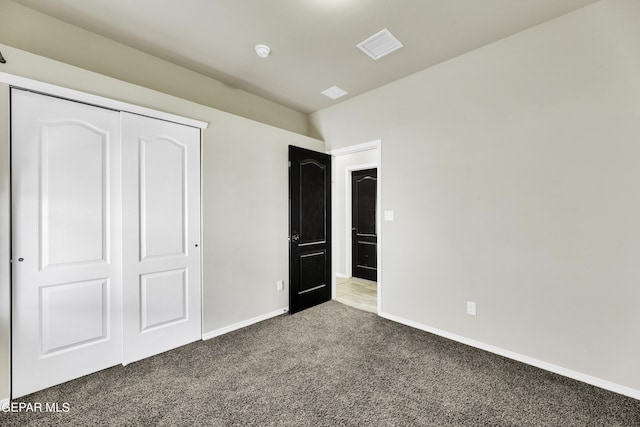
x,y
334,92
380,44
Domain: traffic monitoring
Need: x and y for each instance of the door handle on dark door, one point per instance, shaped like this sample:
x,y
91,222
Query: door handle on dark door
x,y
295,237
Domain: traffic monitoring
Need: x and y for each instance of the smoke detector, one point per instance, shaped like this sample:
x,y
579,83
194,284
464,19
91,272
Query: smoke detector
x,y
380,44
262,50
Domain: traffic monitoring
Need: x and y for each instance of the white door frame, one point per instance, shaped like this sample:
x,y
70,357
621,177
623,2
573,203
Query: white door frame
x,y
19,82
372,145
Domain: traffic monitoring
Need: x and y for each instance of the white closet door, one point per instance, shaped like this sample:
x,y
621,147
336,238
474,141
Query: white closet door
x,y
66,240
161,224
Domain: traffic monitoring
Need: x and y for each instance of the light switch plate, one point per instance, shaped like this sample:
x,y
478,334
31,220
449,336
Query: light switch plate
x,y
388,215
471,308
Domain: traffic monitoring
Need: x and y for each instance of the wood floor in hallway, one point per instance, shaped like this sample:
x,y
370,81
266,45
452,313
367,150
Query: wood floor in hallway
x,y
358,293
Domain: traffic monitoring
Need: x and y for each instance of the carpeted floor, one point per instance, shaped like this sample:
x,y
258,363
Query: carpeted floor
x,y
352,369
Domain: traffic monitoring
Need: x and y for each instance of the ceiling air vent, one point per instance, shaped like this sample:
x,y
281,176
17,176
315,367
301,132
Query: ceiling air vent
x,y
334,92
380,44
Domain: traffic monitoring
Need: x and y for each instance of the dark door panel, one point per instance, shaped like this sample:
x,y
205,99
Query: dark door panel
x,y
309,228
364,185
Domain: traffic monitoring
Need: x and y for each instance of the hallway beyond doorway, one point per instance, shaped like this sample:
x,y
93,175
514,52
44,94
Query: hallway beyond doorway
x,y
358,293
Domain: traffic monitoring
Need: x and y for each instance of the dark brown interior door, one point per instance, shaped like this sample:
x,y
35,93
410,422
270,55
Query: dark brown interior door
x,y
364,240
309,228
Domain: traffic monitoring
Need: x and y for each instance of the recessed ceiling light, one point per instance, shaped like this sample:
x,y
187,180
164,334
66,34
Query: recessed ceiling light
x,y
380,44
262,50
334,92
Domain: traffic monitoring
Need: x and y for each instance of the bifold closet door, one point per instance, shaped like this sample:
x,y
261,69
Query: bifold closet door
x,y
66,240
161,247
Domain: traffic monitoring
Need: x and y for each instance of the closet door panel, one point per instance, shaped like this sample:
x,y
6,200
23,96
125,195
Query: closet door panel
x,y
161,206
163,210
66,240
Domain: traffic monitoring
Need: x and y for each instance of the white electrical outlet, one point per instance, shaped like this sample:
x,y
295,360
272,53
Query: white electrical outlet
x,y
471,308
280,285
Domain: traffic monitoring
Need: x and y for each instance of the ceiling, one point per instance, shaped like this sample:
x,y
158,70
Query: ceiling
x,y
313,42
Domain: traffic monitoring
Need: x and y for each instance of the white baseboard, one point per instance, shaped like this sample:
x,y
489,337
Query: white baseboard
x,y
4,403
243,324
598,382
342,275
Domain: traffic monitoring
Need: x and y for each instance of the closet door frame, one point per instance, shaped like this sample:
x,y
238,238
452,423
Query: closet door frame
x,y
18,82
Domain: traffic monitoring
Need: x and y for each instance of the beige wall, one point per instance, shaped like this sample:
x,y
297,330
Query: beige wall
x,y
513,173
245,199
32,31
246,220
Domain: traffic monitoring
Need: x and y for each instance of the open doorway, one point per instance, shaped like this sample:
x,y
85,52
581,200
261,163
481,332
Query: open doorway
x,y
356,247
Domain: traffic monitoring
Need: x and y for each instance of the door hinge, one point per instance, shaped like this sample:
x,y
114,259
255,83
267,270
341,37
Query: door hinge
x,y
289,163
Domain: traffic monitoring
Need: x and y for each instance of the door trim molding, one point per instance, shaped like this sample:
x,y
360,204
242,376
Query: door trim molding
x,y
19,82
375,144
356,148
5,249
